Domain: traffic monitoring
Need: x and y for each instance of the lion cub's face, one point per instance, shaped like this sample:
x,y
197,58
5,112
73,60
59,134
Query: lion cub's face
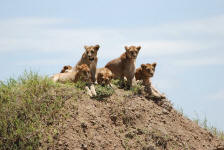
x,y
66,69
83,73
148,69
104,76
91,52
132,51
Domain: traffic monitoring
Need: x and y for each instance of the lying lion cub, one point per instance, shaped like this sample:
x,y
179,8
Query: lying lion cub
x,y
82,74
124,66
89,57
104,76
66,69
144,73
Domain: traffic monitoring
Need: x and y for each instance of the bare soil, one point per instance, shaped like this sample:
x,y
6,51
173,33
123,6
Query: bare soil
x,y
125,121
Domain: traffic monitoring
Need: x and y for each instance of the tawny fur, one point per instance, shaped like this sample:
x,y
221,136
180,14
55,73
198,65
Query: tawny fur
x,y
82,73
89,58
124,66
104,76
66,69
145,72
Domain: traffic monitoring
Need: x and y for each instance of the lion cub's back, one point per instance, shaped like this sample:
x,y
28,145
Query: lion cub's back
x,y
115,66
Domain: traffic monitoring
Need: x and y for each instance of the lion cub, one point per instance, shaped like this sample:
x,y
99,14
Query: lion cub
x,y
89,57
66,69
124,66
104,76
82,74
144,73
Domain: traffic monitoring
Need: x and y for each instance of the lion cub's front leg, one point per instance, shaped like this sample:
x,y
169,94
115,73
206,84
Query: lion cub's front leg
x,y
88,91
91,91
93,75
147,85
151,90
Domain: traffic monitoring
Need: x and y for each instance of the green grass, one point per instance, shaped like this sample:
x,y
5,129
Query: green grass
x,y
204,124
103,92
135,89
29,106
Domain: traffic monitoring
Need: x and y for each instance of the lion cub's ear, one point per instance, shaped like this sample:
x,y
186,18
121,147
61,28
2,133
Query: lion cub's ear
x,y
86,47
79,68
138,48
65,67
154,65
126,48
96,47
143,66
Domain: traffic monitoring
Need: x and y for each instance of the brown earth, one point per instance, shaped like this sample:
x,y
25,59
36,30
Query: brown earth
x,y
127,121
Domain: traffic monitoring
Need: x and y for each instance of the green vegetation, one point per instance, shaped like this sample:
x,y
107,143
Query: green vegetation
x,y
103,91
136,88
204,124
29,108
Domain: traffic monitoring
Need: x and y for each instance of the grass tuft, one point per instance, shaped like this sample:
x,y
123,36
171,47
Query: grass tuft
x,y
204,124
103,92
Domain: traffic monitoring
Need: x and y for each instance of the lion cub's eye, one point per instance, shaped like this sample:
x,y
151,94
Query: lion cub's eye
x,y
92,52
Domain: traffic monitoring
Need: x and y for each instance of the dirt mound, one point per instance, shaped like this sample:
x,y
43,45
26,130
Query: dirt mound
x,y
127,121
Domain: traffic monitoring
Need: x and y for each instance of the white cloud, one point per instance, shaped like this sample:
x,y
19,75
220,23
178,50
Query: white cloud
x,y
43,62
169,47
199,61
44,35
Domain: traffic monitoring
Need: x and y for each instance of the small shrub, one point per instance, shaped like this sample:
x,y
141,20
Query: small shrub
x,y
80,85
137,88
103,92
118,83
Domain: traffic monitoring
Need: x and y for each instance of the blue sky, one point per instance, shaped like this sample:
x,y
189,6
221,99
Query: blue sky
x,y
184,37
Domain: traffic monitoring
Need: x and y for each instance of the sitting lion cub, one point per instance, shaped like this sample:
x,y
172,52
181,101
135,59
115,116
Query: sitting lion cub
x,y
124,66
89,57
144,73
82,74
104,76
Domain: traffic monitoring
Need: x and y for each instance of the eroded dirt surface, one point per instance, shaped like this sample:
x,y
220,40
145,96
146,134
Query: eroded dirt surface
x,y
125,121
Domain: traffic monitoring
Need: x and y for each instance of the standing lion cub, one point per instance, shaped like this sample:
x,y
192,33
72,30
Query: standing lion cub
x,y
124,66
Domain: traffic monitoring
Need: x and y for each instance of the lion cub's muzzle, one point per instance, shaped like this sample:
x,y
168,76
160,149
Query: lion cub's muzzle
x,y
105,81
134,55
91,58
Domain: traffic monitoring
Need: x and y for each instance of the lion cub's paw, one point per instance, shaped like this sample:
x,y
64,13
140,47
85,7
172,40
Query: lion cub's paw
x,y
93,91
